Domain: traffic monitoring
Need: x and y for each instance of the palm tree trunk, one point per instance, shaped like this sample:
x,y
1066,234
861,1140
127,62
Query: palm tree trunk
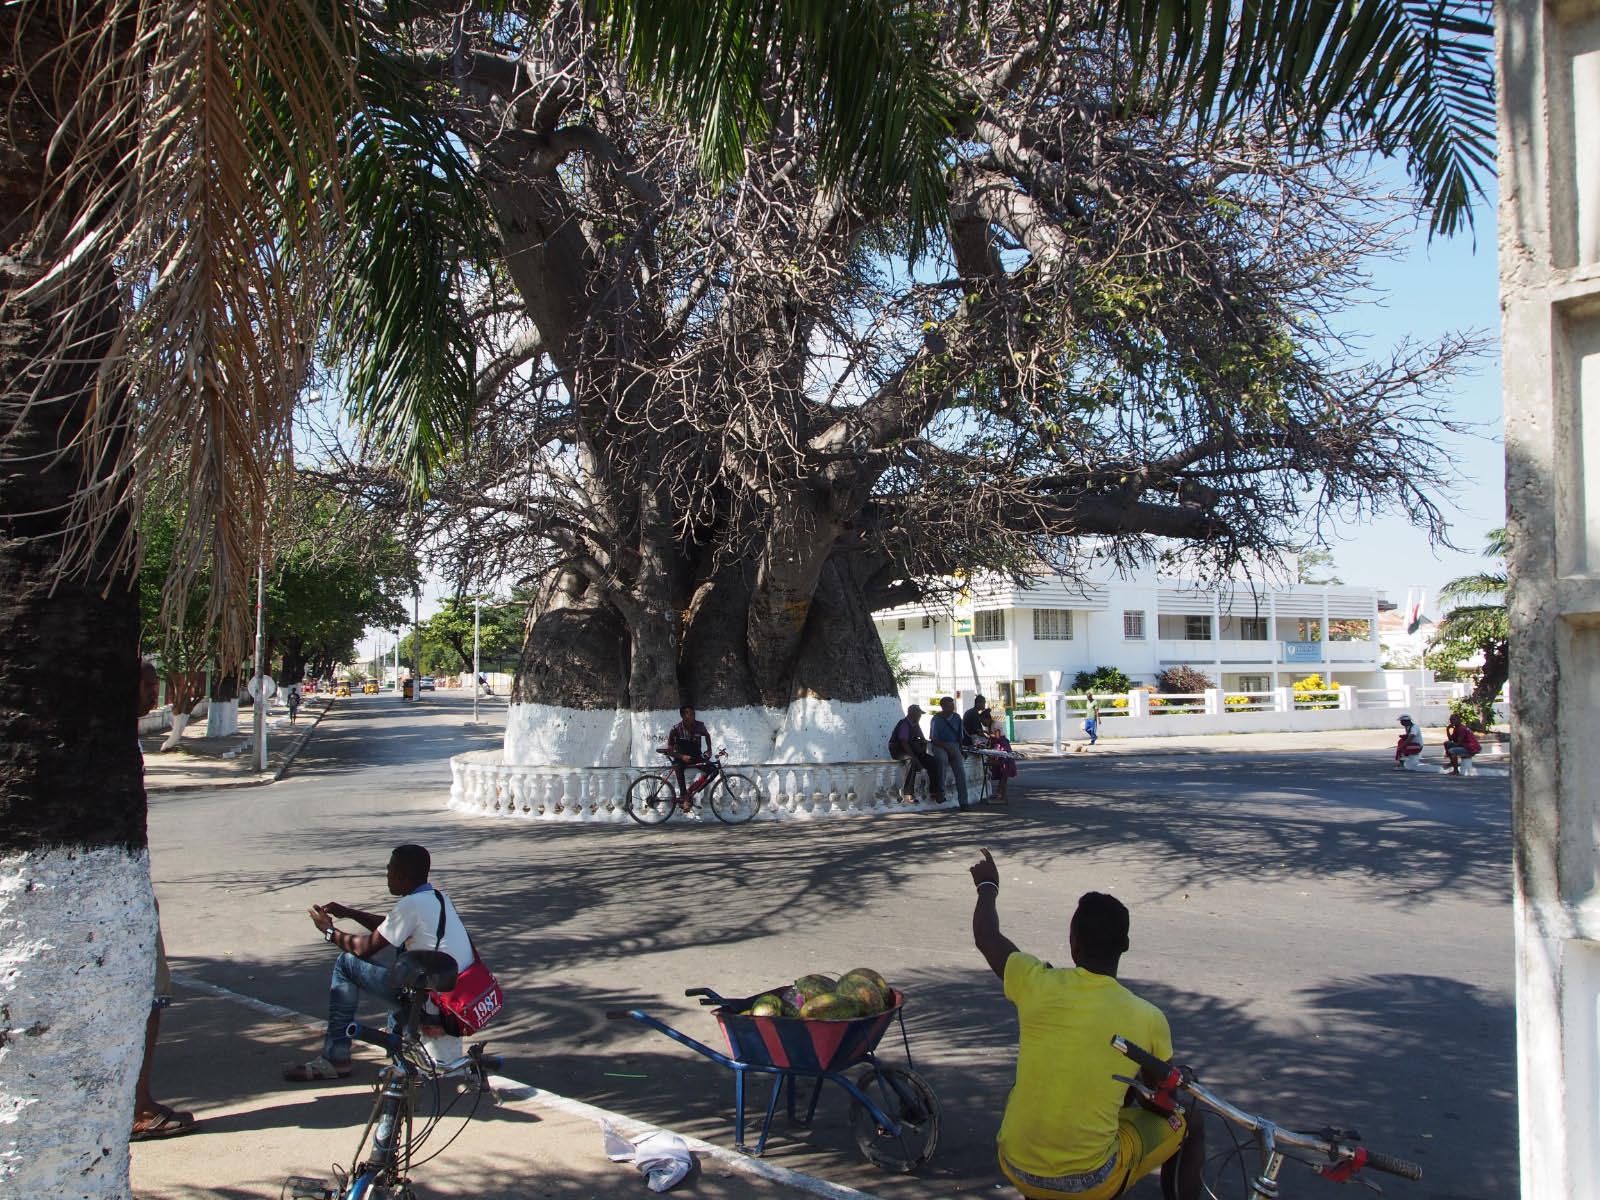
x,y
75,897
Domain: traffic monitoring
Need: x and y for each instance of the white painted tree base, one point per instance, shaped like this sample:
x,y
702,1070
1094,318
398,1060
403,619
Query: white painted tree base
x,y
222,720
180,722
77,973
484,784
808,731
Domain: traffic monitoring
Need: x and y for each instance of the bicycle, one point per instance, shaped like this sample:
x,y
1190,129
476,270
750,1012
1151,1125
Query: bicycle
x,y
654,797
384,1173
1341,1155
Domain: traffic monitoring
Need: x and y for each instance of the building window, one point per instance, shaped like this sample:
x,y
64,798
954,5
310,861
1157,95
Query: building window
x,y
1253,629
927,622
1254,683
1052,625
1133,624
989,626
1030,685
1197,629
900,623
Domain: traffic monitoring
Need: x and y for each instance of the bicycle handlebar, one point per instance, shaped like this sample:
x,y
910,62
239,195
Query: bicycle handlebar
x,y
1344,1159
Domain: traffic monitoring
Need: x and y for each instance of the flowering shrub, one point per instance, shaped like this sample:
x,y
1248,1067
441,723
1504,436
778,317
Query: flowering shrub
x,y
1306,693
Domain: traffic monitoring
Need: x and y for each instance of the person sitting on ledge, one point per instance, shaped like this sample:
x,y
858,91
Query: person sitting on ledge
x,y
907,745
1459,743
1410,743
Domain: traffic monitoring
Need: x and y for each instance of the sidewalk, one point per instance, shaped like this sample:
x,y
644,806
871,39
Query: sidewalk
x,y
202,762
1074,743
220,1058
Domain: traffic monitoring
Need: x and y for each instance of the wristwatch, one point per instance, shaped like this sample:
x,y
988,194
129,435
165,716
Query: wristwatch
x,y
327,934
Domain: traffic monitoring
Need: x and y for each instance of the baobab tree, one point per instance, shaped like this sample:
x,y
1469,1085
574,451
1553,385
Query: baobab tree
x,y
724,420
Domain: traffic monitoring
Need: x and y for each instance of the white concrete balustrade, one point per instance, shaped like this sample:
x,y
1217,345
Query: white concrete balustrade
x,y
485,784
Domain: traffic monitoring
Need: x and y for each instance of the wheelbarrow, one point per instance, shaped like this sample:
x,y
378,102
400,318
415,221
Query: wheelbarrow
x,y
894,1115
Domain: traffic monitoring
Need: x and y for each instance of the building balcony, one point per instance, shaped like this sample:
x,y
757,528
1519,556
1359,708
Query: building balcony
x,y
1251,653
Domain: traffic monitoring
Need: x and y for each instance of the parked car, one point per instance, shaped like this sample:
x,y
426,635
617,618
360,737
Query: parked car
x,y
425,684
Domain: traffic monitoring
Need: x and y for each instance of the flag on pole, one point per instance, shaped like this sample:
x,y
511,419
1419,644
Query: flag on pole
x,y
1415,601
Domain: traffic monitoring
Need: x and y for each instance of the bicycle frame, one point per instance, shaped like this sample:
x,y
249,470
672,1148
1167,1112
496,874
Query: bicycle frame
x,y
389,1125
1341,1155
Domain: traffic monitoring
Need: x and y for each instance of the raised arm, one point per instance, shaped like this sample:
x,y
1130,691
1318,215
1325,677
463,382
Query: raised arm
x,y
995,946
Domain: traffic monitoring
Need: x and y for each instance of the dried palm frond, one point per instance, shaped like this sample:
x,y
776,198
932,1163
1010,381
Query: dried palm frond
x,y
187,192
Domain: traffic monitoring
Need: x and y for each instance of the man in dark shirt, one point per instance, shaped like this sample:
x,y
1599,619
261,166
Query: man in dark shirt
x,y
690,744
977,719
908,745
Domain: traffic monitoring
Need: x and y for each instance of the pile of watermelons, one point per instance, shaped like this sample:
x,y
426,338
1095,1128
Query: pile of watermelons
x,y
861,992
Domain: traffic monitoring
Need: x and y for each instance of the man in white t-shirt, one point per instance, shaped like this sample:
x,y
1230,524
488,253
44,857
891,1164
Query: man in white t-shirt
x,y
412,924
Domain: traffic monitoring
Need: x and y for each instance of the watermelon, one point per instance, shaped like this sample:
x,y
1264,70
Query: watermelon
x,y
767,1006
864,992
810,986
830,1006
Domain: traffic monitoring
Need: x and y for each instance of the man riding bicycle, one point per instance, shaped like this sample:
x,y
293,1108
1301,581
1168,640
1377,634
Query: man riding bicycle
x,y
1069,1131
689,743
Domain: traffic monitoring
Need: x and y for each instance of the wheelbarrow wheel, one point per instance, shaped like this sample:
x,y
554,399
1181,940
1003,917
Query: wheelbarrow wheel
x,y
651,800
904,1097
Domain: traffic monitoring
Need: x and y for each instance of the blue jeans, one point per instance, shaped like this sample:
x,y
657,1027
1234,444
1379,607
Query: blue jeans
x,y
351,977
944,752
1092,728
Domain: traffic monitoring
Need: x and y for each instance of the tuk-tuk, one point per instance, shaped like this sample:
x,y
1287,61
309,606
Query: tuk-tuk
x,y
343,690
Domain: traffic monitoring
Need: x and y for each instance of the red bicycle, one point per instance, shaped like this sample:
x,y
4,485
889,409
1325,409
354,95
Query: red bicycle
x,y
654,797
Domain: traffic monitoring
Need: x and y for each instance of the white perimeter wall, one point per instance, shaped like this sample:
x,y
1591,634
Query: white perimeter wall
x,y
808,731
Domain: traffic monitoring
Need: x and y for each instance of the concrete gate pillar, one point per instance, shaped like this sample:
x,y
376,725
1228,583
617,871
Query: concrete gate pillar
x,y
1548,62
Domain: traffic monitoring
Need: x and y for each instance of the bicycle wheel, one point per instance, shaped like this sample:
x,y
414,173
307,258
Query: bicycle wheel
x,y
735,799
904,1097
651,799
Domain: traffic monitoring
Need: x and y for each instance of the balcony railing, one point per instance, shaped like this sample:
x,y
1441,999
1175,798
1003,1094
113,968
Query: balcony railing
x,y
1252,652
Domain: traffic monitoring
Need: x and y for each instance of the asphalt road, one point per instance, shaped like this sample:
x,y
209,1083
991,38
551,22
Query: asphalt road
x,y
1331,939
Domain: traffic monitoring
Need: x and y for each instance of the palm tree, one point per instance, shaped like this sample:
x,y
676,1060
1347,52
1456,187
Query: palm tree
x,y
1479,627
186,189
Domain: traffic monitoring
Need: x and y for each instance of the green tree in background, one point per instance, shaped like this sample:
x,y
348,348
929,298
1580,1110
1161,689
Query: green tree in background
x,y
1480,627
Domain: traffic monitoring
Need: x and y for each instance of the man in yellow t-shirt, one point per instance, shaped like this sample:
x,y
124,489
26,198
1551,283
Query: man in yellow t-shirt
x,y
1069,1132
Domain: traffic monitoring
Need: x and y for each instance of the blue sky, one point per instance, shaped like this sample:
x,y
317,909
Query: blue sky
x,y
1446,284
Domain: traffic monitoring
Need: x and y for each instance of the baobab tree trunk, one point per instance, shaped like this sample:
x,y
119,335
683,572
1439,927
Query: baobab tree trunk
x,y
77,915
572,704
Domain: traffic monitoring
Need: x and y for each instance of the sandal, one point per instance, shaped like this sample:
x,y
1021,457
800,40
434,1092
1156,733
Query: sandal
x,y
163,1123
316,1071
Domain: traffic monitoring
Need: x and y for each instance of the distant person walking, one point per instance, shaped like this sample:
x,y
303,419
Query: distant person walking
x,y
294,703
1091,718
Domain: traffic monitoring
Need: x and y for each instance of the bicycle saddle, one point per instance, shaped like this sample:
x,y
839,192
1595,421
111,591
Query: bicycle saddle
x,y
433,970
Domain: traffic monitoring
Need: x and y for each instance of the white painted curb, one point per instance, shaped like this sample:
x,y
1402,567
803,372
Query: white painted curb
x,y
511,1089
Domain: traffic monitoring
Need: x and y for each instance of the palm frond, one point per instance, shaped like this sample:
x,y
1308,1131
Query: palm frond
x,y
417,219
1467,586
192,129
1417,76
884,113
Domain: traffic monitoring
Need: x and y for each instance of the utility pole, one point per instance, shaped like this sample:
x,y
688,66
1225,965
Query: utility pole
x,y
260,698
477,616
416,644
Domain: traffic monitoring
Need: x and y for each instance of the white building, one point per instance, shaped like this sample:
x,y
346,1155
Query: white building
x,y
1246,638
